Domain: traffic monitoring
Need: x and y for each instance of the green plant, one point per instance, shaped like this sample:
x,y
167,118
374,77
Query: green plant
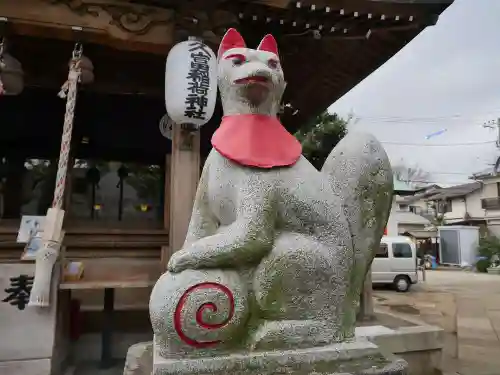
x,y
482,265
319,136
487,248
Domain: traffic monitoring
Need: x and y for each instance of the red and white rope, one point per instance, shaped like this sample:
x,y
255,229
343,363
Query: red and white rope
x,y
2,66
68,90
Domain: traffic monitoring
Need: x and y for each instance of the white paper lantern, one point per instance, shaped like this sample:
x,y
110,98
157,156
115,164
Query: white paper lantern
x,y
166,127
11,75
191,83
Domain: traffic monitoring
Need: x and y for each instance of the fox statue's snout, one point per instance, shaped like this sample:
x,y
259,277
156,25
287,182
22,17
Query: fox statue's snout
x,y
251,81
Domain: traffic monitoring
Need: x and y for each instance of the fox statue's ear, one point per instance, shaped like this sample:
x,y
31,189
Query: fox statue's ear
x,y
231,39
268,43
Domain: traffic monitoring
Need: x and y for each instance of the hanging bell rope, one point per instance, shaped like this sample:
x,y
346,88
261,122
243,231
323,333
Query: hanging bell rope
x,y
69,91
2,64
80,71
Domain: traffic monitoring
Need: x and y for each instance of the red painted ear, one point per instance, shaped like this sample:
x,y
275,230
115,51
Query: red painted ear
x,y
268,43
232,39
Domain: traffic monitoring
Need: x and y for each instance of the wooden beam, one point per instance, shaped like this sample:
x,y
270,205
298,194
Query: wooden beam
x,y
165,250
184,176
120,24
275,3
166,206
363,7
366,311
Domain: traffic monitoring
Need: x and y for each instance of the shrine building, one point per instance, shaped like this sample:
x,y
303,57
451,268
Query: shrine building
x,y
130,181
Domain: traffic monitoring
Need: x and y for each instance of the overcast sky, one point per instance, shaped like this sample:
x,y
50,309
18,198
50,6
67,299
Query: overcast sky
x,y
446,78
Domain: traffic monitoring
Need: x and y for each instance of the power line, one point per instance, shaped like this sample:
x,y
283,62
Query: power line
x,y
437,182
423,119
451,173
456,120
414,121
436,144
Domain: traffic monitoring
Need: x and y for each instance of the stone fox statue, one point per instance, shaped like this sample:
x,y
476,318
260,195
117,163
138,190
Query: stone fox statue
x,y
276,251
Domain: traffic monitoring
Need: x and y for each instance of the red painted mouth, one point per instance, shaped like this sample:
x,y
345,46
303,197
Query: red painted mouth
x,y
253,79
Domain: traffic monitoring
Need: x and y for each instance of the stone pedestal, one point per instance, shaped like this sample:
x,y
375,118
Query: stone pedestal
x,y
139,359
349,358
28,334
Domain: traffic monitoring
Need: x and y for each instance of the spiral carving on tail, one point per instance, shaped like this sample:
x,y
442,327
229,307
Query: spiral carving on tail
x,y
199,318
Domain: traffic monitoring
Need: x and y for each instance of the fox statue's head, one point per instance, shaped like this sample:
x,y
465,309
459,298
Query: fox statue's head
x,y
250,80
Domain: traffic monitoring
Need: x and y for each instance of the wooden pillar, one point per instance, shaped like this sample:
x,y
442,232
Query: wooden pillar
x,y
184,176
366,311
166,203
165,250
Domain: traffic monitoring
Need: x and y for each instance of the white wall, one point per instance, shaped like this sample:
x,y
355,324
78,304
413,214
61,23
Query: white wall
x,y
392,224
490,187
470,204
421,204
490,190
457,210
474,203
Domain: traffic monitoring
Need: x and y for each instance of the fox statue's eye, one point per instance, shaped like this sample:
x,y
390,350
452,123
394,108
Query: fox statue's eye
x,y
237,61
236,58
272,63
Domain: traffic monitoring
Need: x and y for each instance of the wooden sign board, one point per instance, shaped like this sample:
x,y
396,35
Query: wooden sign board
x,y
29,227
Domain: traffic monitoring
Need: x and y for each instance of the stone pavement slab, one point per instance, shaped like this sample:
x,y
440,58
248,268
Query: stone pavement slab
x,y
477,313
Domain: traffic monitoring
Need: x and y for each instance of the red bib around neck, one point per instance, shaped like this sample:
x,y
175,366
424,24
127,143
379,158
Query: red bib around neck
x,y
256,141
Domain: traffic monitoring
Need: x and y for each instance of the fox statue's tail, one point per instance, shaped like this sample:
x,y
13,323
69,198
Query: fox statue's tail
x,y
360,173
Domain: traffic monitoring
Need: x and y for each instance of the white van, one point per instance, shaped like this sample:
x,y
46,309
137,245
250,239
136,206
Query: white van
x,y
395,263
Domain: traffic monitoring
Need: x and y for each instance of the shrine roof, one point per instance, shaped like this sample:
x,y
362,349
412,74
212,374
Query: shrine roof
x,y
326,46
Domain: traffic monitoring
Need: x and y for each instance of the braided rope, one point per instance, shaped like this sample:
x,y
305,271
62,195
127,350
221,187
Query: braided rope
x,y
68,90
2,66
47,255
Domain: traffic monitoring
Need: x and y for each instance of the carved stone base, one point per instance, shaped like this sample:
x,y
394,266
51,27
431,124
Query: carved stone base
x,y
139,359
352,358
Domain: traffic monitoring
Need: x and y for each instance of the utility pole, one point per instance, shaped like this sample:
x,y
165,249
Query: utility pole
x,y
495,125
498,132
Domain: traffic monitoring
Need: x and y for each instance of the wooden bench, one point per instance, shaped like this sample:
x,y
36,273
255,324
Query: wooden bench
x,y
109,286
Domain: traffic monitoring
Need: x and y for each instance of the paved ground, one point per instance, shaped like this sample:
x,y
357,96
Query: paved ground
x,y
466,305
476,323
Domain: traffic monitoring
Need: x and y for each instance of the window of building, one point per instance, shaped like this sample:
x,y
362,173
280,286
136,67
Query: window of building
x,y
448,206
416,210
401,250
113,192
445,206
383,251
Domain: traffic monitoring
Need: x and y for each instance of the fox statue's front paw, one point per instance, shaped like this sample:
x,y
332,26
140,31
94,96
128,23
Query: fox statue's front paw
x,y
181,260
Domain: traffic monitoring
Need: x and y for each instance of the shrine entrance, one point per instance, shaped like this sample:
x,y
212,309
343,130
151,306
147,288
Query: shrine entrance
x,y
116,168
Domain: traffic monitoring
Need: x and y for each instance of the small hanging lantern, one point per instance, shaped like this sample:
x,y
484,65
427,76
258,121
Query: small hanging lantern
x,y
81,64
191,83
166,126
11,72
86,69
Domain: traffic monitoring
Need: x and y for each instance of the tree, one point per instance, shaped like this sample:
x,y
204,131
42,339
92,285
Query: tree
x,y
321,135
146,180
438,220
413,176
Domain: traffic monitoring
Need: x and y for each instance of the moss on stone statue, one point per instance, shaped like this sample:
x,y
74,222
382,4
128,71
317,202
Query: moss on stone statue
x,y
373,200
